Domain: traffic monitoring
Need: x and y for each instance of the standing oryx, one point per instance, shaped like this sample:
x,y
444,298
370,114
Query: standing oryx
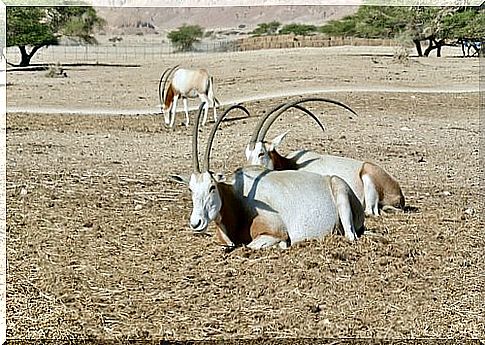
x,y
262,208
185,83
373,186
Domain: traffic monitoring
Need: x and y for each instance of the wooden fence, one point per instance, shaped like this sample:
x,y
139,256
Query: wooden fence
x,y
295,41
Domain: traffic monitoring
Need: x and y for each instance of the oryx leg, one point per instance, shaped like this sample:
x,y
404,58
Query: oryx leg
x,y
264,241
391,209
371,197
173,110
205,99
349,209
267,233
380,189
223,239
213,105
215,113
186,108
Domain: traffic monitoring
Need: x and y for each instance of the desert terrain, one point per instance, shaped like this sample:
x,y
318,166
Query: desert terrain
x,y
125,20
98,242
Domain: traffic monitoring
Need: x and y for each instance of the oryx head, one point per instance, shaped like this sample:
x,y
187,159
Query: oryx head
x,y
206,200
165,96
261,153
203,184
166,113
258,150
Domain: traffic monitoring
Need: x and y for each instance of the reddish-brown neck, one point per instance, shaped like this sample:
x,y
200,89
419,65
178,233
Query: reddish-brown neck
x,y
280,162
234,220
169,96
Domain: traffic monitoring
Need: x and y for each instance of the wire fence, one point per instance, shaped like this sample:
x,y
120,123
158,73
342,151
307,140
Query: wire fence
x,y
138,50
117,52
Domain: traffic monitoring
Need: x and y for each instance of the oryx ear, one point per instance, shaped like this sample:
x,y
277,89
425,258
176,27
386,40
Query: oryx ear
x,y
180,179
219,177
277,141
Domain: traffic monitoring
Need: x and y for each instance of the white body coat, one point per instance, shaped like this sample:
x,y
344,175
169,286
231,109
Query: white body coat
x,y
279,206
370,183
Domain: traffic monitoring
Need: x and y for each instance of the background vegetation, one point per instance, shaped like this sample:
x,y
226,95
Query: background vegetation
x,y
31,28
439,26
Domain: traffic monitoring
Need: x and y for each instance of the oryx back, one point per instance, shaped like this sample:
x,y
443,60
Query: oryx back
x,y
191,83
346,168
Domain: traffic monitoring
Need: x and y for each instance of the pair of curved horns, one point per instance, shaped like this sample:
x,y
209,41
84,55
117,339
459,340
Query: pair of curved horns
x,y
259,132
266,122
161,90
195,135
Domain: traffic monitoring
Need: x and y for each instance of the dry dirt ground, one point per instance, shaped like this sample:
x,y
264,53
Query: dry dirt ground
x,y
98,237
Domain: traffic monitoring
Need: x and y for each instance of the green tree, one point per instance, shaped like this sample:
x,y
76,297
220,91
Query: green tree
x,y
266,28
381,21
185,36
439,26
36,27
344,27
298,29
370,22
442,25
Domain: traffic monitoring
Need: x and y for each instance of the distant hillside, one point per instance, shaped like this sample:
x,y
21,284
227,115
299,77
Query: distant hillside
x,y
143,19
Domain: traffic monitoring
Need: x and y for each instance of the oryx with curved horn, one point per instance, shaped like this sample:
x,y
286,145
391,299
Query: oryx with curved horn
x,y
262,208
178,82
374,187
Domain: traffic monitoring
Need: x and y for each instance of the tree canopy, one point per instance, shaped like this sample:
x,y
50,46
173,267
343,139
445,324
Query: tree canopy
x,y
436,24
185,36
298,29
369,22
37,27
267,28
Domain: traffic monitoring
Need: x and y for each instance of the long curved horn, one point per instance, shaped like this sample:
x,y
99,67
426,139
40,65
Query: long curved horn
x,y
160,95
195,137
213,132
161,90
169,75
257,129
281,110
254,136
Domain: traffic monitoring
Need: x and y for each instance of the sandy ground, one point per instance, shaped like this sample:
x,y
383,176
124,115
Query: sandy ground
x,y
98,237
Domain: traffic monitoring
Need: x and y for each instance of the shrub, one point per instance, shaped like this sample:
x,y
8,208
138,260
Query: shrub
x,y
266,28
298,29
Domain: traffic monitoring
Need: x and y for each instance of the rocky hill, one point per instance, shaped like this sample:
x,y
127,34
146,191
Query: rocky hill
x,y
161,19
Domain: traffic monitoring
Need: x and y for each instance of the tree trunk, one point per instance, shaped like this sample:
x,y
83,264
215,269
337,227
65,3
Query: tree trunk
x,y
430,48
417,43
439,44
433,44
26,56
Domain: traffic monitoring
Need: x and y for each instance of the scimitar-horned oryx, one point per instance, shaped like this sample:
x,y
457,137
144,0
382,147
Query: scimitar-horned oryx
x,y
375,188
260,208
185,83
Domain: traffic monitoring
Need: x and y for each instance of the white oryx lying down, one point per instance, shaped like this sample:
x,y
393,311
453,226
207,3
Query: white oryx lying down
x,y
373,186
185,83
261,208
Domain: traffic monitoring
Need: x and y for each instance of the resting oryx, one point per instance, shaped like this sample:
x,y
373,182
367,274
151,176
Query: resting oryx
x,y
373,186
262,208
185,83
